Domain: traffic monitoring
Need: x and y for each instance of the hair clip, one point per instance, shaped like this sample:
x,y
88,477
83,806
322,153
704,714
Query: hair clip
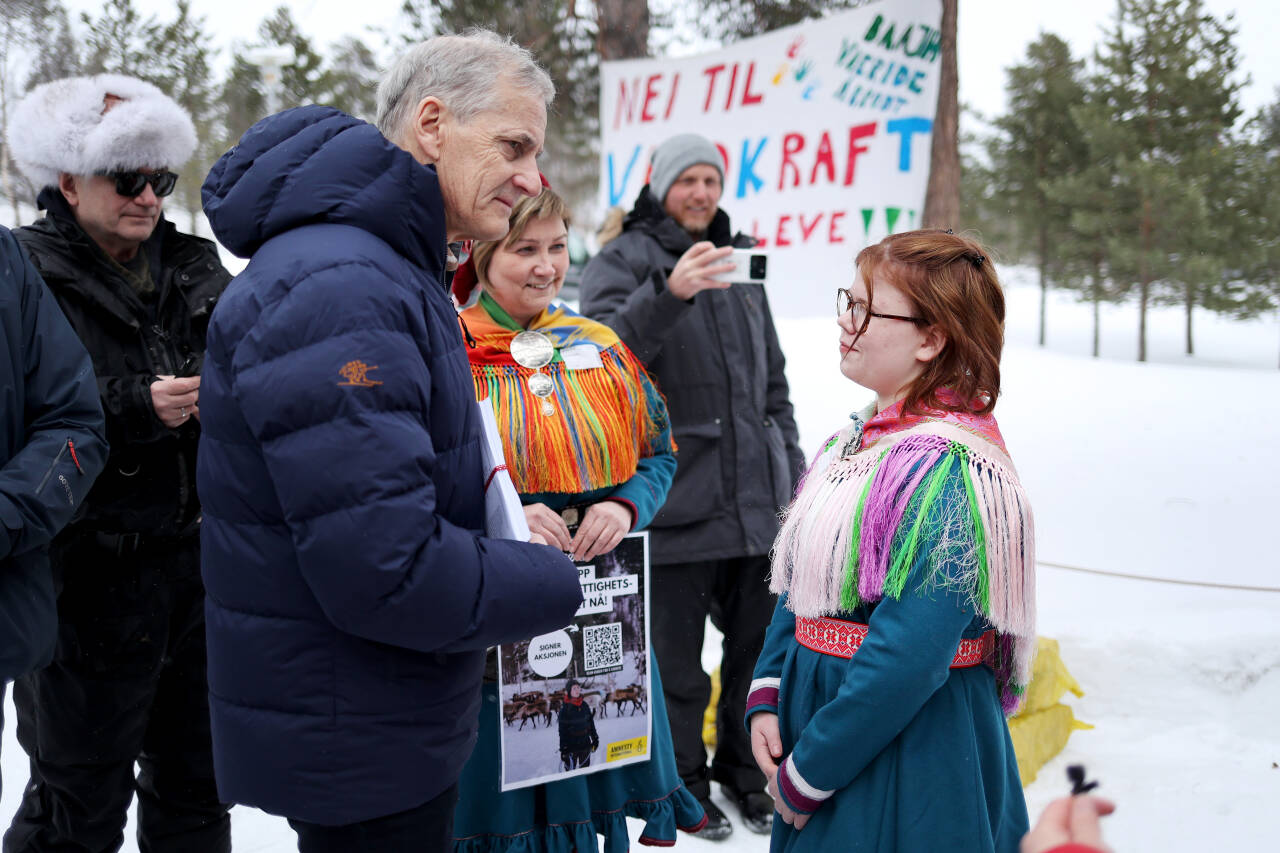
x,y
949,231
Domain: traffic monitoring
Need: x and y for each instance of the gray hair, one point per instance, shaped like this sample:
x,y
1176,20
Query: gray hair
x,y
462,71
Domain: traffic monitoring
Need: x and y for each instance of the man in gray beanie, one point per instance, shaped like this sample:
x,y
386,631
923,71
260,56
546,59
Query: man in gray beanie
x,y
127,682
714,350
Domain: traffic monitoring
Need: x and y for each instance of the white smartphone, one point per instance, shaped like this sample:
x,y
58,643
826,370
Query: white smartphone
x,y
750,266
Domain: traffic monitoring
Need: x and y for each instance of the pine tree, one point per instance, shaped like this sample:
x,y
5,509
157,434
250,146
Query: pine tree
x,y
731,20
983,208
301,81
35,47
55,50
350,79
1086,241
1256,284
14,38
122,41
241,99
1039,141
1163,96
185,58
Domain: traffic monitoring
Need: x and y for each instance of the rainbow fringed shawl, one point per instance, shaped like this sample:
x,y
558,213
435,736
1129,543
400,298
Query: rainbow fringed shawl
x,y
603,423
856,525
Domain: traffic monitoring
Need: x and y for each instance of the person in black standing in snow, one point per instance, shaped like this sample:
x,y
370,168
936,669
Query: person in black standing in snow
x,y
714,351
127,683
578,738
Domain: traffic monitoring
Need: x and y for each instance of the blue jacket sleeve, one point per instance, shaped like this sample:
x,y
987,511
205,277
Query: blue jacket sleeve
x,y
767,678
355,469
904,659
647,489
65,445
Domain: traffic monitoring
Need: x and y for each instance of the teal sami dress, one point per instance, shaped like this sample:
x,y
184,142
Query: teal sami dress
x,y
896,752
566,816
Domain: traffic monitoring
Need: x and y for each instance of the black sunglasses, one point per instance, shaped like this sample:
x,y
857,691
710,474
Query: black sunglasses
x,y
132,184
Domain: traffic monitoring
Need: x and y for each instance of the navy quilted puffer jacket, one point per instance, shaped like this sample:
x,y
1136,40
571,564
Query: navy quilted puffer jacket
x,y
351,594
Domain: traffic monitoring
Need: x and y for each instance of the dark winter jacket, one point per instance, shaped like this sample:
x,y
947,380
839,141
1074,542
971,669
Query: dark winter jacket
x,y
148,485
52,446
717,359
351,593
577,726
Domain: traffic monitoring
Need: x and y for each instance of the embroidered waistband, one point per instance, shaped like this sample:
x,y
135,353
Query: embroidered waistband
x,y
840,638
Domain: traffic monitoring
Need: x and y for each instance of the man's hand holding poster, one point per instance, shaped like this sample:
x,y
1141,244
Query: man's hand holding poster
x,y
576,700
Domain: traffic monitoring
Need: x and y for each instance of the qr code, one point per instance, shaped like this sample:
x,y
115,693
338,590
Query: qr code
x,y
602,646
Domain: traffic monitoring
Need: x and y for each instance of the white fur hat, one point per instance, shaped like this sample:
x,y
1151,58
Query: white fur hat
x,y
61,127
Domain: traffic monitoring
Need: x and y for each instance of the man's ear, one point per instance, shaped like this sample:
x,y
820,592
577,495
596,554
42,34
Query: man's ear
x,y
70,190
935,340
428,127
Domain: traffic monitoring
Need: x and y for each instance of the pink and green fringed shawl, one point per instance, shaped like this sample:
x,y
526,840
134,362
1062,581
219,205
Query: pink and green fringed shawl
x,y
876,493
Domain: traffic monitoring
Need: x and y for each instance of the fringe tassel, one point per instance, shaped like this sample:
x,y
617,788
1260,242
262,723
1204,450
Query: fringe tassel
x,y
816,534
603,424
888,504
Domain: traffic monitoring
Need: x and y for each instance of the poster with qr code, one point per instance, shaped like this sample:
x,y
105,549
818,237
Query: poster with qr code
x,y
577,700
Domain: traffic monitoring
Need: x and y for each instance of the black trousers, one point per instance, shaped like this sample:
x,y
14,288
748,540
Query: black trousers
x,y
428,828
735,594
127,683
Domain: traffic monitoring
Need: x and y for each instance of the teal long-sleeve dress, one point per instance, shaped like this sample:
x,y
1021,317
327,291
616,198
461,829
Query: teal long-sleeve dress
x,y
902,753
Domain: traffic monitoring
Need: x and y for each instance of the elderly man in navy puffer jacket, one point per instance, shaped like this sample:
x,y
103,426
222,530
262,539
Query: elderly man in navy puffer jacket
x,y
351,591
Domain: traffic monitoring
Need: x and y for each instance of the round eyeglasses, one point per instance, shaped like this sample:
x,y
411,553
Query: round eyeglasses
x,y
862,312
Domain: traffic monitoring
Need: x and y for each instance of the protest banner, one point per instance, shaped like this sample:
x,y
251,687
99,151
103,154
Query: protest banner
x,y
550,730
824,128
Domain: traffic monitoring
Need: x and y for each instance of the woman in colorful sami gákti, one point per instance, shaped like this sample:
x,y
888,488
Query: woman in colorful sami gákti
x,y
591,441
906,621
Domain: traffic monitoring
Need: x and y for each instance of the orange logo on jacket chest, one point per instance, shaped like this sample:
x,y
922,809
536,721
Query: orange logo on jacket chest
x,y
357,373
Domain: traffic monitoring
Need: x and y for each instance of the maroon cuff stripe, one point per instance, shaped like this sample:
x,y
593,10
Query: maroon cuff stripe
x,y
799,803
762,697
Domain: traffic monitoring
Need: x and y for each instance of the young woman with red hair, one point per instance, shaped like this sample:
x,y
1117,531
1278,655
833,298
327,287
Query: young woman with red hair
x,y
906,619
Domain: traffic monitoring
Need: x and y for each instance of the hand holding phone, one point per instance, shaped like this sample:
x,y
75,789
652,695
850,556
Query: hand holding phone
x,y
697,269
750,266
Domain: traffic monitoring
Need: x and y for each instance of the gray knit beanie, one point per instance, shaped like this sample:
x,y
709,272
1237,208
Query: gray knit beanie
x,y
678,153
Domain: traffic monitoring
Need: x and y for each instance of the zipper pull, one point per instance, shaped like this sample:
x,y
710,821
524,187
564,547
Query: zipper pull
x,y
71,445
471,342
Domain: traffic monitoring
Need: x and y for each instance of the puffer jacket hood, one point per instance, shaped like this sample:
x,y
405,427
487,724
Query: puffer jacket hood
x,y
314,165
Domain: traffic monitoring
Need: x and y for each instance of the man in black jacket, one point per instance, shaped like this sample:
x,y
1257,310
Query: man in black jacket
x,y
714,350
127,682
52,447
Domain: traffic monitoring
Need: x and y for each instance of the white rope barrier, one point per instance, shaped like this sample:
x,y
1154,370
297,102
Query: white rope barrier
x,y
1157,580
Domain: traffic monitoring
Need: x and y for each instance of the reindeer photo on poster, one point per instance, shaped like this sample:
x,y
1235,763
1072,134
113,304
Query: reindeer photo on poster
x,y
576,700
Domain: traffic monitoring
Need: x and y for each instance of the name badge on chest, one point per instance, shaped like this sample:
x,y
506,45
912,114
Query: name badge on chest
x,y
581,357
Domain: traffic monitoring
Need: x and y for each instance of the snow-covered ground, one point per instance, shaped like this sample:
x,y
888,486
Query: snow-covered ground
x,y
1166,470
